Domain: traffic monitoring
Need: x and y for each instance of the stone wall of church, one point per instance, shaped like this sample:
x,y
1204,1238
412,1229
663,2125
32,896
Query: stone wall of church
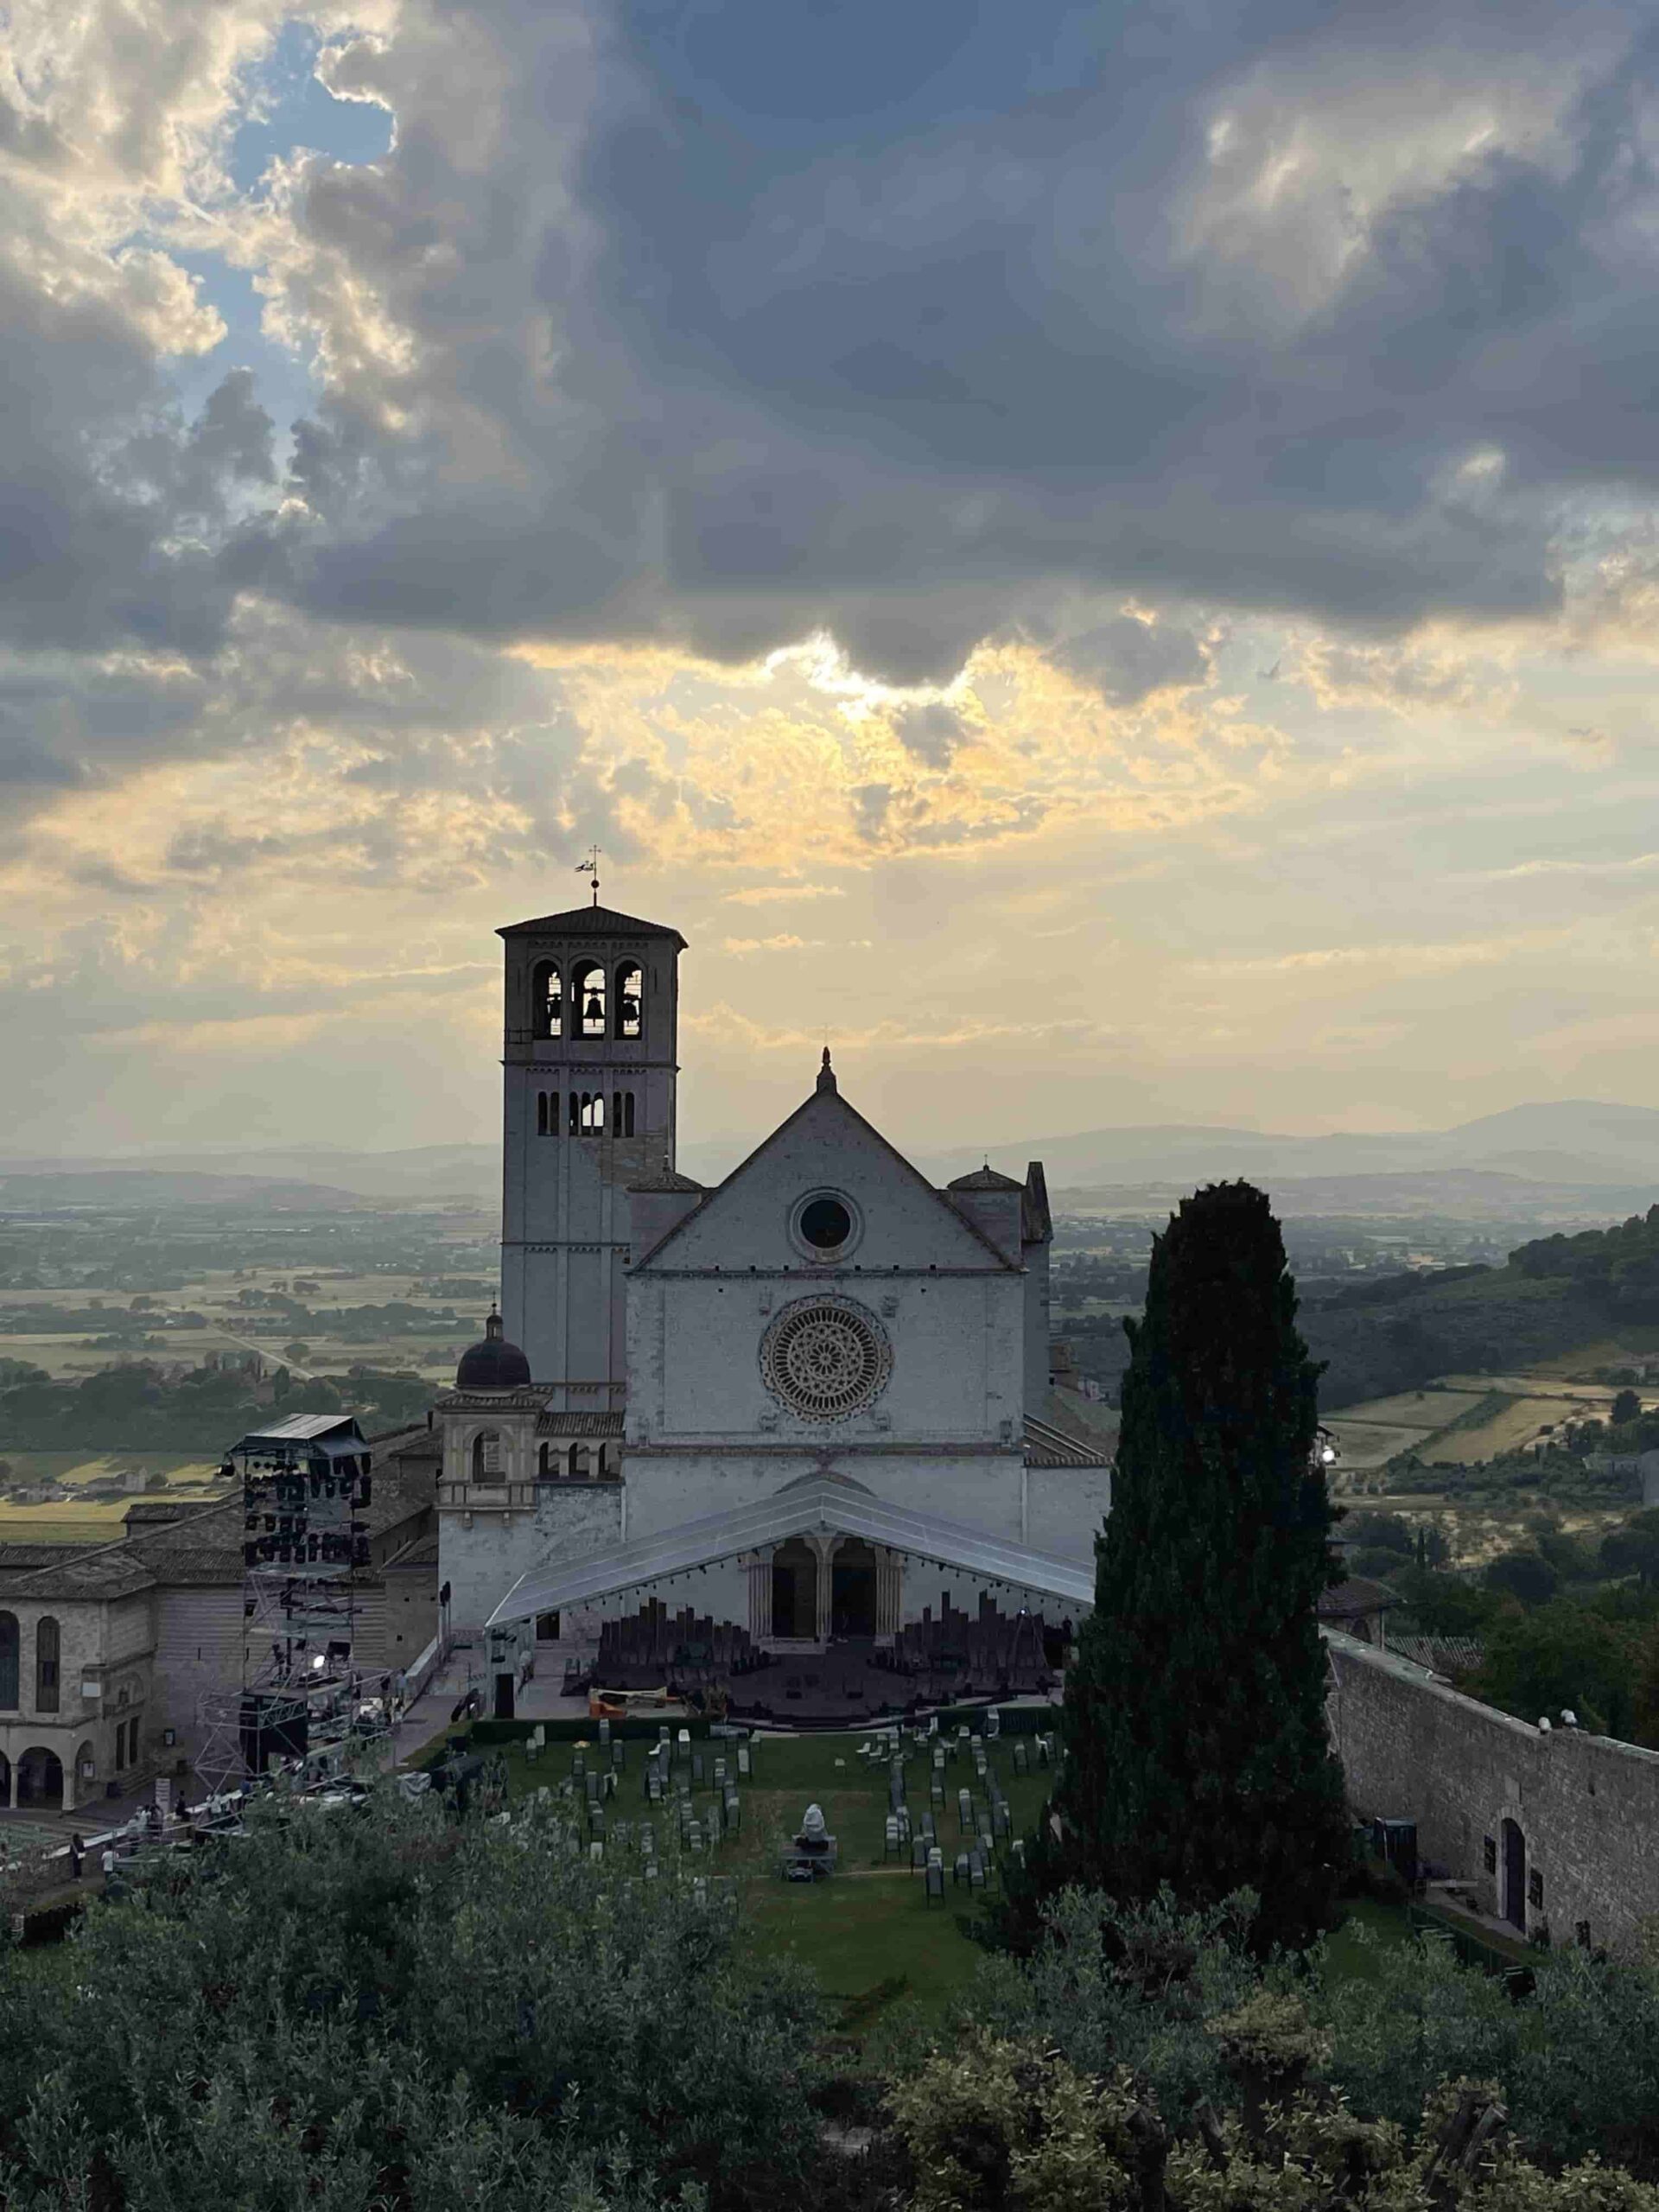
x,y
958,1371
1064,1509
981,1489
1586,1807
481,1563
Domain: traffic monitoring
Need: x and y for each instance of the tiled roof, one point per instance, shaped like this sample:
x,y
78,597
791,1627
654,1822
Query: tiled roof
x,y
551,1424
206,1567
424,1552
984,1179
668,1179
1052,1447
409,1445
15,1556
83,1575
1356,1595
590,921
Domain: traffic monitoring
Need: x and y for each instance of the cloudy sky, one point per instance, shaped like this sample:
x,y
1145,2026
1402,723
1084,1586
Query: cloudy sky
x,y
1104,556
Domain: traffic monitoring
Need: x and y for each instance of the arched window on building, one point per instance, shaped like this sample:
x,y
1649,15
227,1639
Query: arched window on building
x,y
48,1645
546,1000
573,1118
9,1644
622,1114
547,1113
588,996
486,1456
629,999
593,1113
580,1464
541,1112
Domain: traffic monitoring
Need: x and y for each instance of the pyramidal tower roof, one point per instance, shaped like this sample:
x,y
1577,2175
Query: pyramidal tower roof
x,y
591,921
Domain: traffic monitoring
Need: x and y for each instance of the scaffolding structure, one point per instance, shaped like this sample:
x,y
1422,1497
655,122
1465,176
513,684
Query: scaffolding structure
x,y
304,1696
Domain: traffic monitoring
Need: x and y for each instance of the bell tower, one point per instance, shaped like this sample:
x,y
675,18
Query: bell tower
x,y
588,1067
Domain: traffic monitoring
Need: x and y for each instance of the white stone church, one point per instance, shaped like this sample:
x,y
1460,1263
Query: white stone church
x,y
813,1401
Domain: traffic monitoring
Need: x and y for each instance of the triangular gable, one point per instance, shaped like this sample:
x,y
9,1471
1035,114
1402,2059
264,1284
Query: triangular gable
x,y
855,1158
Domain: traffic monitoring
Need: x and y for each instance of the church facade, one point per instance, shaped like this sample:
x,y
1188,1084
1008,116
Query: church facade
x,y
816,1397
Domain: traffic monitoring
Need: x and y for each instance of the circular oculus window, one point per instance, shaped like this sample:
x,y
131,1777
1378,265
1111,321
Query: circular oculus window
x,y
825,1359
825,1223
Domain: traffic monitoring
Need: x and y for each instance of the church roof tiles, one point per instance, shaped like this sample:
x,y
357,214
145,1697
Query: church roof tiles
x,y
667,1178
591,921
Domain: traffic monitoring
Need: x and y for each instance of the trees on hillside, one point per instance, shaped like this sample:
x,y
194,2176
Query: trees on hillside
x,y
1194,1724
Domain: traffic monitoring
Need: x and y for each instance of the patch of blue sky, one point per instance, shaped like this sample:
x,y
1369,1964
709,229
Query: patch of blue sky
x,y
288,110
289,107
285,385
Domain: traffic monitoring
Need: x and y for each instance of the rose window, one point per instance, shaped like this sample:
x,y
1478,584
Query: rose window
x,y
825,1359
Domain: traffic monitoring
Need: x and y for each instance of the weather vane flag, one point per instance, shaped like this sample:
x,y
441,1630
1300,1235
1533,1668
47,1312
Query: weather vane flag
x,y
589,867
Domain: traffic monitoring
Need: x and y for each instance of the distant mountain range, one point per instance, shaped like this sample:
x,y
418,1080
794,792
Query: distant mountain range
x,y
164,1190
1554,1159
1575,1143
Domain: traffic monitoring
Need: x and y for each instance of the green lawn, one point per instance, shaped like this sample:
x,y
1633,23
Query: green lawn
x,y
868,1932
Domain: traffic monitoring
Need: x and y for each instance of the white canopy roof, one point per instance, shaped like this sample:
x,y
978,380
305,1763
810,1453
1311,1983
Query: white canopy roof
x,y
819,1501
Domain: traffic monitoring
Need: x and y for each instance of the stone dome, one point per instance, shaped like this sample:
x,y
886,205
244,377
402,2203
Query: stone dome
x,y
494,1364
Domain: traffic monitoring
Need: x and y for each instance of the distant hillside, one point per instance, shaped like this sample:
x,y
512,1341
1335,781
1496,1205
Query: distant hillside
x,y
1486,1321
1396,1333
1457,1193
1572,1143
1555,1293
165,1190
1567,1160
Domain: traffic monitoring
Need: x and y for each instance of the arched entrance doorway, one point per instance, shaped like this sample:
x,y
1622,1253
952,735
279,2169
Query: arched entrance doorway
x,y
852,1590
39,1779
1515,1876
5,1779
795,1589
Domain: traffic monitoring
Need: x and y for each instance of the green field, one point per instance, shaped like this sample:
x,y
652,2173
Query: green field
x,y
95,1520
868,1932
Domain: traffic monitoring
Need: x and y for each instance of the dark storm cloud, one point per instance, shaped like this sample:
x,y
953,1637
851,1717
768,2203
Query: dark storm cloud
x,y
715,325
758,319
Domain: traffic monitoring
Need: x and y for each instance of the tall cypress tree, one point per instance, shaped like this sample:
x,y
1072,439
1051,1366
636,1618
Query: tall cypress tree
x,y
1194,1716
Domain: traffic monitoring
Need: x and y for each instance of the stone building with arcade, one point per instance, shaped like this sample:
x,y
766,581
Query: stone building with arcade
x,y
811,1402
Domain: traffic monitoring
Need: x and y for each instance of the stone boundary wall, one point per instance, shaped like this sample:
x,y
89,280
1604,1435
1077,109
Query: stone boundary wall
x,y
1557,1830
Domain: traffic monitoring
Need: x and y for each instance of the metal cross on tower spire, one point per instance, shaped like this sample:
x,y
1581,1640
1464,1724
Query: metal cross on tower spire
x,y
589,867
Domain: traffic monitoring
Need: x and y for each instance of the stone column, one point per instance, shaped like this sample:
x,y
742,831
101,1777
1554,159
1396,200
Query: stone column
x,y
889,1583
758,1567
826,1547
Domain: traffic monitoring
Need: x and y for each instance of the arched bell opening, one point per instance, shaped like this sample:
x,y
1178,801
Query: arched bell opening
x,y
588,998
546,1000
630,1001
